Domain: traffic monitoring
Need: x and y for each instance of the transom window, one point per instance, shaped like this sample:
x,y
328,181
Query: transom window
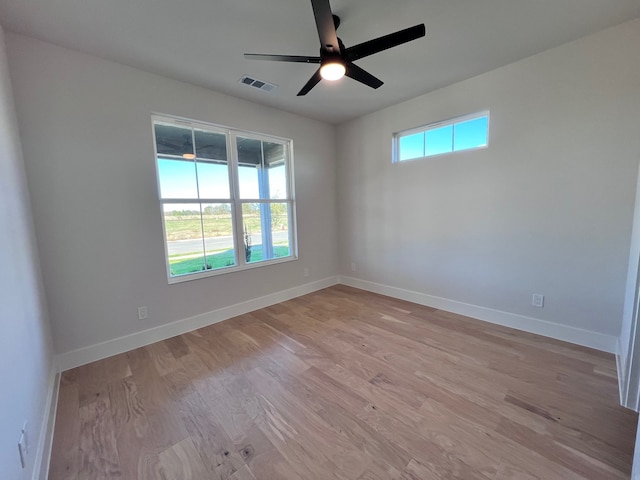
x,y
462,133
226,196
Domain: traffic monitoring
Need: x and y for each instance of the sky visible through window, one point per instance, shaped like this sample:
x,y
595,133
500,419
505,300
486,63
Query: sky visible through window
x,y
178,180
448,138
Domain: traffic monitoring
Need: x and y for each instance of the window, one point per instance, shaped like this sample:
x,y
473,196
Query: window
x,y
462,133
226,197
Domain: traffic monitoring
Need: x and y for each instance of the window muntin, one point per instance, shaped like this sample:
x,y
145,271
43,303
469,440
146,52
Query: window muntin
x,y
226,198
462,133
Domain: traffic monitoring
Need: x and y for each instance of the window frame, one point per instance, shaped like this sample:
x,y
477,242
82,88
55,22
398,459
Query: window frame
x,y
434,126
234,200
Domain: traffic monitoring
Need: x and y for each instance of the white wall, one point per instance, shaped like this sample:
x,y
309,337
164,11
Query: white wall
x,y
25,345
88,148
547,208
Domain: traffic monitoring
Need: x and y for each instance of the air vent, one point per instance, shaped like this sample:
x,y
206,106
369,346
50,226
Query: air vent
x,y
259,84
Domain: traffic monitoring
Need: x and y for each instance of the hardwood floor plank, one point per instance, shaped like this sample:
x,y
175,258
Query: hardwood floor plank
x,y
345,384
334,391
177,347
359,436
98,451
163,360
66,437
271,465
546,446
213,445
454,471
182,462
307,462
470,439
243,474
379,471
165,427
137,454
309,430
430,446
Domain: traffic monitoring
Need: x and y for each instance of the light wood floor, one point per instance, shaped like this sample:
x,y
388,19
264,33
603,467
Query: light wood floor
x,y
345,384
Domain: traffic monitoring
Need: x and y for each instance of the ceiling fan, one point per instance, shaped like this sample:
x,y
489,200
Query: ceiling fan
x,y
335,59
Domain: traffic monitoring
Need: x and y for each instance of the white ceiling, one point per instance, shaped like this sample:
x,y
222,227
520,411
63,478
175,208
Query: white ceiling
x,y
202,41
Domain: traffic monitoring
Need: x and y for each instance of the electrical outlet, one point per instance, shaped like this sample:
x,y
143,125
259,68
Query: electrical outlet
x,y
353,266
142,313
537,300
306,272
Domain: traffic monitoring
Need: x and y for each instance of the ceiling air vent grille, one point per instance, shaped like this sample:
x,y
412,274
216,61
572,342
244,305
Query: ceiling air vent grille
x,y
259,84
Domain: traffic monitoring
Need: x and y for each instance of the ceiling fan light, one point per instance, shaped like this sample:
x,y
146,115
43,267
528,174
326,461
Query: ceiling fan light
x,y
332,71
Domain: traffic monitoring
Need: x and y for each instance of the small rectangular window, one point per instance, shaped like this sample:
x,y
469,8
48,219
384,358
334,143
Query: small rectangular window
x,y
226,197
462,133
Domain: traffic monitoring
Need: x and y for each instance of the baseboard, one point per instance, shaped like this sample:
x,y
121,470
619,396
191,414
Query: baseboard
x,y
621,372
598,341
82,356
45,441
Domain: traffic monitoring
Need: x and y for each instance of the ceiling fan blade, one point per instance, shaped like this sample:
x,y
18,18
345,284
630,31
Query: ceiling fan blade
x,y
313,81
325,25
387,41
282,58
363,76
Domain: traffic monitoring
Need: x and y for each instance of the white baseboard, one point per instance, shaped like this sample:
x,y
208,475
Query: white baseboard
x,y
82,356
598,341
621,372
45,441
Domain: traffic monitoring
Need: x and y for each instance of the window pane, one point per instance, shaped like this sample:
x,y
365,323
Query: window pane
x,y
218,235
266,227
412,146
275,161
213,180
184,238
278,181
439,140
249,151
280,229
177,178
248,182
211,145
172,140
471,134
249,159
252,228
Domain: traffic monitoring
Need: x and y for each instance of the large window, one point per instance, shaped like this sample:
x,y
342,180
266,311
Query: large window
x,y
463,133
226,197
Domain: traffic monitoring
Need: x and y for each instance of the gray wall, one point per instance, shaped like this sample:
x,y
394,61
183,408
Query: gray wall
x,y
547,208
26,355
88,148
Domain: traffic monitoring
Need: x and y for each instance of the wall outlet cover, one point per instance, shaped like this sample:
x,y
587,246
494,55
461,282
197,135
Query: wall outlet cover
x,y
142,313
537,300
